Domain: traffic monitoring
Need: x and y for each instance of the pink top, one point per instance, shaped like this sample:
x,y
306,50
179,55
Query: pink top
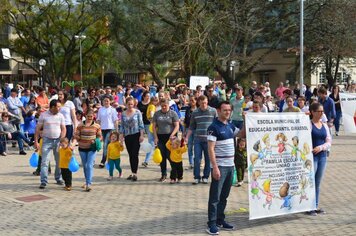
x,y
279,92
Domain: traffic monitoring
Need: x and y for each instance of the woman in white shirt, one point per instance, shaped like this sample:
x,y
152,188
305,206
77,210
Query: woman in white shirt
x,y
68,111
108,120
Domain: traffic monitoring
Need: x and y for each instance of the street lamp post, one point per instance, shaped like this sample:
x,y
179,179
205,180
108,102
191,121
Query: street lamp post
x,y
301,47
80,37
42,63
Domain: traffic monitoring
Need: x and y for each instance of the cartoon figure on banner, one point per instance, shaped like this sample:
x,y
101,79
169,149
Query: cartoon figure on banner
x,y
254,184
267,191
282,139
303,184
308,166
295,149
285,196
268,147
253,159
304,152
257,147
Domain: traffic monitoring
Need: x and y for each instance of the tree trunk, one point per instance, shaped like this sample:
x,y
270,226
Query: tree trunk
x,y
226,75
155,75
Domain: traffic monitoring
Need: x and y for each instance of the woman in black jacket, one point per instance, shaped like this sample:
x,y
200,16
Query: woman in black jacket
x,y
192,106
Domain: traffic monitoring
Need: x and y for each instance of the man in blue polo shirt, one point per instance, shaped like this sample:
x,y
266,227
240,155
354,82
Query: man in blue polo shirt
x,y
221,134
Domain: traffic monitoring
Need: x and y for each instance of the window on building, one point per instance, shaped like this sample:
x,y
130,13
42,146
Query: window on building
x,y
322,78
290,76
344,78
4,34
264,77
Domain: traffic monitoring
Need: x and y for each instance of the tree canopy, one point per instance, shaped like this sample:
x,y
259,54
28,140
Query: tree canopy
x,y
197,37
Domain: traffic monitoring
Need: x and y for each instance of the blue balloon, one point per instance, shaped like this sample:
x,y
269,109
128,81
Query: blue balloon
x,y
107,166
34,160
73,165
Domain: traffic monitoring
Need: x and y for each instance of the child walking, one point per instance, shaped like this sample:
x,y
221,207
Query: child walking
x,y
240,161
115,147
177,149
65,154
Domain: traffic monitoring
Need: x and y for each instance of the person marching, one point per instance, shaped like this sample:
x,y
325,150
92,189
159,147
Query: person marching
x,y
177,148
221,134
115,147
65,154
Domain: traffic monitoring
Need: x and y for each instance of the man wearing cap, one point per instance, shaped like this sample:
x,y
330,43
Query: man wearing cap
x,y
236,104
15,107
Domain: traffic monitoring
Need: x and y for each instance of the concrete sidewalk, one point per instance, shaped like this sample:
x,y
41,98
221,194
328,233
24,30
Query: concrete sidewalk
x,y
147,207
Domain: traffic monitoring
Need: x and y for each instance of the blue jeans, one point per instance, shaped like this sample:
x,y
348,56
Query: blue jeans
x,y
199,148
337,120
190,149
88,165
218,194
319,169
49,145
238,123
20,136
106,137
151,140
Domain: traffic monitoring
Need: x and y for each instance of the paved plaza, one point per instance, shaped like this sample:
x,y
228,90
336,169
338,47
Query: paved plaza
x,y
147,207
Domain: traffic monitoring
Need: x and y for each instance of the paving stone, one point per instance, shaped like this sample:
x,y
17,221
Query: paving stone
x,y
147,207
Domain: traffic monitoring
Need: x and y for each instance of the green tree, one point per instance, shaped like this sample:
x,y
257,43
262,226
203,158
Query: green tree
x,y
46,29
331,36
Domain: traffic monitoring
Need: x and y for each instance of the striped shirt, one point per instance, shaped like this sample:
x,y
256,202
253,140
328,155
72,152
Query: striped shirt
x,y
200,121
51,124
86,135
223,136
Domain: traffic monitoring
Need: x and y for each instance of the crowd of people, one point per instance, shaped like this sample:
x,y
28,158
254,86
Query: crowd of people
x,y
200,121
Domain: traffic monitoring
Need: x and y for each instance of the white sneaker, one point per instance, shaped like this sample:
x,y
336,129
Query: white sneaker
x,y
196,181
204,180
240,183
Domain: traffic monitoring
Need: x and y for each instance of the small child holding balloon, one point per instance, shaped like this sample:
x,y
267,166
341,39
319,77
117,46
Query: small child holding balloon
x,y
65,154
177,149
115,147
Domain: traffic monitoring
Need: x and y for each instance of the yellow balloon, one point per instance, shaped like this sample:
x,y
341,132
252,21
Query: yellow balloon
x,y
157,156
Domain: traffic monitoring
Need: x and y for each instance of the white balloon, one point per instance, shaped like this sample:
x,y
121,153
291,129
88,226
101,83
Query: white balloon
x,y
146,147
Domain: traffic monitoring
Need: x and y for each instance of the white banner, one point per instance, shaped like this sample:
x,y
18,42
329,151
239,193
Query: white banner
x,y
348,108
280,164
198,80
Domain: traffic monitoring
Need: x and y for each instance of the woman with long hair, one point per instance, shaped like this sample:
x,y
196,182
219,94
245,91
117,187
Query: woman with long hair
x,y
68,111
85,135
131,130
321,143
335,95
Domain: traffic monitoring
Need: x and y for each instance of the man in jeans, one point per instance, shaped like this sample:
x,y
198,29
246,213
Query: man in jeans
x,y
49,122
200,120
221,134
